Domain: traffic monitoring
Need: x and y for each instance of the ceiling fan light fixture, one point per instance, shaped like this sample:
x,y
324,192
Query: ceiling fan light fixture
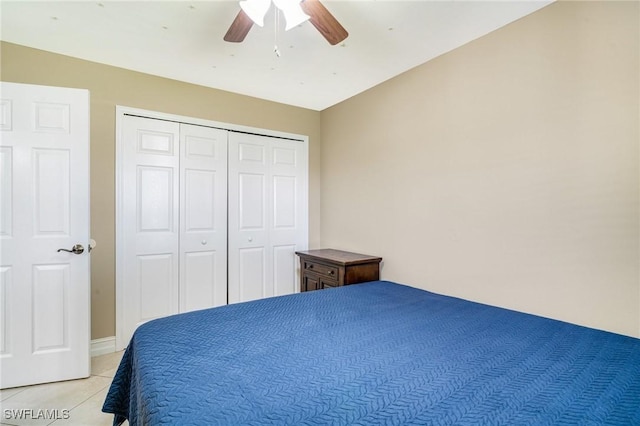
x,y
256,10
293,13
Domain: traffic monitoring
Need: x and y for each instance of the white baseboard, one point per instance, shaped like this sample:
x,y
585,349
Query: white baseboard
x,y
103,346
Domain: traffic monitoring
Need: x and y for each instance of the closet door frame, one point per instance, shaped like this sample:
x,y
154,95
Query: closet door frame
x,y
121,112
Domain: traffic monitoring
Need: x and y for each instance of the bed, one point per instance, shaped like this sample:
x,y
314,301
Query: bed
x,y
373,353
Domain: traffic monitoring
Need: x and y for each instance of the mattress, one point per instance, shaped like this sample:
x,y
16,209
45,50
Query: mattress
x,y
373,353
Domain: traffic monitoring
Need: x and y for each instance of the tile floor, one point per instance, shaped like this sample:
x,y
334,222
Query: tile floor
x,y
83,398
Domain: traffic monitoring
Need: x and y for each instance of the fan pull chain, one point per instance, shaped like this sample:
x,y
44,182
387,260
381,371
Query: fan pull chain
x,y
275,33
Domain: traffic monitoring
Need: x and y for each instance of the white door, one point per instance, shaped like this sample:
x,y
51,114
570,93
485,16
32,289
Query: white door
x,y
150,230
267,215
173,236
203,217
44,194
288,230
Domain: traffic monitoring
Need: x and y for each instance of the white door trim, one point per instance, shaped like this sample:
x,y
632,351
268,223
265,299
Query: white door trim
x,y
121,112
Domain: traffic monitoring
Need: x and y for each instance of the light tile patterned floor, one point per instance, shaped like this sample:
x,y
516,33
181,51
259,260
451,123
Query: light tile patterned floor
x,y
83,398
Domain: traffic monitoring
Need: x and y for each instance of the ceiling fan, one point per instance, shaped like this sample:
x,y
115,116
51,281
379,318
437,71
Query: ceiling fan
x,y
253,11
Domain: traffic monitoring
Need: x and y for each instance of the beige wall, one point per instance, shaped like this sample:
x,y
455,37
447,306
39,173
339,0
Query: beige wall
x,y
506,171
110,86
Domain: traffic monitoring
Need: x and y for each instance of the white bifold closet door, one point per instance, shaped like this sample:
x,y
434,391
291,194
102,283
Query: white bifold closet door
x,y
267,179
203,217
206,217
174,215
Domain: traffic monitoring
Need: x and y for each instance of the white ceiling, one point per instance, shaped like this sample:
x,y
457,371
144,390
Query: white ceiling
x,y
182,40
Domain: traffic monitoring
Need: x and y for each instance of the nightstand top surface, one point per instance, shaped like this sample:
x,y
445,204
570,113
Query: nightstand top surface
x,y
339,256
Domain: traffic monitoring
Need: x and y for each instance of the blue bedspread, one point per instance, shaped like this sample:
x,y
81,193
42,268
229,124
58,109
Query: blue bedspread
x,y
374,353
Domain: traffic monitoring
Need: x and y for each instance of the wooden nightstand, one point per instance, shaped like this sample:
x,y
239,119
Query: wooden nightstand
x,y
332,268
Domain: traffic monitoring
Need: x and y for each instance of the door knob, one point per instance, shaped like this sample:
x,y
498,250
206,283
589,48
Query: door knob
x,y
77,249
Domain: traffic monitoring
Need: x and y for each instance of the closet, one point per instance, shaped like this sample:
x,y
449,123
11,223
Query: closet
x,y
207,214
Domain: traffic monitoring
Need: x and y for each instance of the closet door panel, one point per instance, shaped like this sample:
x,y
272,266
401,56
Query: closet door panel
x,y
198,287
251,274
200,192
285,279
150,221
249,253
287,228
203,213
267,215
155,279
251,202
155,199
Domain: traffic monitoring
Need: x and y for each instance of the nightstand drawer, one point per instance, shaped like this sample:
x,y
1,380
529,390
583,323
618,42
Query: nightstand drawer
x,y
321,269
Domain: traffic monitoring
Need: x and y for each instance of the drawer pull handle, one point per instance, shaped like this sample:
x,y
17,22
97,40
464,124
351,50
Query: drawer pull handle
x,y
309,266
330,272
